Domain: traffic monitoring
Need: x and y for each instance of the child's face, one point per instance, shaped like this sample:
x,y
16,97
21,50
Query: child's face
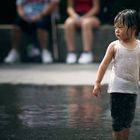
x,y
122,32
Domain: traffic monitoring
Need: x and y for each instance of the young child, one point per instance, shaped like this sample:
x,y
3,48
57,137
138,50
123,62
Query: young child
x,y
124,54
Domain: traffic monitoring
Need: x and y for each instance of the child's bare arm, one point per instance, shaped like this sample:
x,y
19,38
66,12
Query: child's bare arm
x,y
102,68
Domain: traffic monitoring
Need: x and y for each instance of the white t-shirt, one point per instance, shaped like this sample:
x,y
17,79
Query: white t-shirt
x,y
125,70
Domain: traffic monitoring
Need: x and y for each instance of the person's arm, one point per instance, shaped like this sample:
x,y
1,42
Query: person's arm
x,y
95,9
53,5
48,9
102,69
70,9
20,11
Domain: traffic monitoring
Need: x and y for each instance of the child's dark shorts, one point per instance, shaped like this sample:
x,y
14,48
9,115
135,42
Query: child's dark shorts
x,y
44,23
123,107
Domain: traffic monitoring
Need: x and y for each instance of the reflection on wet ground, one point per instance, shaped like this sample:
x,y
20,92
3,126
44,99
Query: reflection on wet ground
x,y
29,112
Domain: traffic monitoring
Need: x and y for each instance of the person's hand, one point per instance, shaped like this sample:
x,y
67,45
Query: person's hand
x,y
36,18
96,90
77,19
22,14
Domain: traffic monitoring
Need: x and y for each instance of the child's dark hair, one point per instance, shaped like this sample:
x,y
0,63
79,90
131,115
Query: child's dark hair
x,y
130,18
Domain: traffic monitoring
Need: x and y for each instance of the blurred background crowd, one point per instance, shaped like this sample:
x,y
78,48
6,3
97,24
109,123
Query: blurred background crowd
x,y
101,13
109,8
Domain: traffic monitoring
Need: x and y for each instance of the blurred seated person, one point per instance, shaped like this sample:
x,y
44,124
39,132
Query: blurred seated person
x,y
82,14
33,16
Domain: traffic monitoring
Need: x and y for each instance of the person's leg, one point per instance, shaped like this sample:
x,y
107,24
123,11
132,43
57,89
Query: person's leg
x,y
43,27
70,34
87,26
43,41
122,112
42,38
125,134
117,135
117,114
13,55
129,113
70,40
121,135
16,37
20,26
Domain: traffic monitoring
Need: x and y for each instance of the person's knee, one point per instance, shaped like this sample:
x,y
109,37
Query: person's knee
x,y
16,28
69,23
86,24
117,127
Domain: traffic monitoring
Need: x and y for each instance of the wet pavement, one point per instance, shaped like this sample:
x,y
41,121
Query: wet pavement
x,y
41,112
50,74
54,102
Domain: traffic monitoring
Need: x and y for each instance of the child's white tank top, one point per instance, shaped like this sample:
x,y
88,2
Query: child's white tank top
x,y
125,70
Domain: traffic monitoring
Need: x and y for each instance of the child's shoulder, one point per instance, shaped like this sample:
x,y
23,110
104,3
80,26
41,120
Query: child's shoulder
x,y
113,44
138,44
138,41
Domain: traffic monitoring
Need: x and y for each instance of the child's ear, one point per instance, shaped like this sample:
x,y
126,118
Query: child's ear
x,y
134,28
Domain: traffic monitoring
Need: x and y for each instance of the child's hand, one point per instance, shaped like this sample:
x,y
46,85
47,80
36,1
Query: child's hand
x,y
96,90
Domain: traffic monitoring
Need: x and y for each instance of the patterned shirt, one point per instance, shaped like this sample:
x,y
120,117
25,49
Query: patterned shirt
x,y
33,7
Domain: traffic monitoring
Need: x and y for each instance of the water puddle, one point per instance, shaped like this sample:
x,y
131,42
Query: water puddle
x,y
29,112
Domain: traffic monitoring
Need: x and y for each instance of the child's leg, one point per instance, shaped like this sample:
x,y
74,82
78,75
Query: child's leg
x,y
125,133
117,135
122,112
117,117
121,135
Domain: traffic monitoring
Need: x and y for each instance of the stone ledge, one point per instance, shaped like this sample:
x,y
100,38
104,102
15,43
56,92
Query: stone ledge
x,y
102,37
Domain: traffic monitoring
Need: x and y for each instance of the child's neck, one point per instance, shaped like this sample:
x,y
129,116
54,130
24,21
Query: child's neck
x,y
129,43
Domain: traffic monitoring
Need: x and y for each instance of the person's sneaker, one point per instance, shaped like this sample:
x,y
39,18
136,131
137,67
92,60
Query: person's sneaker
x,y
85,58
12,57
71,58
46,56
